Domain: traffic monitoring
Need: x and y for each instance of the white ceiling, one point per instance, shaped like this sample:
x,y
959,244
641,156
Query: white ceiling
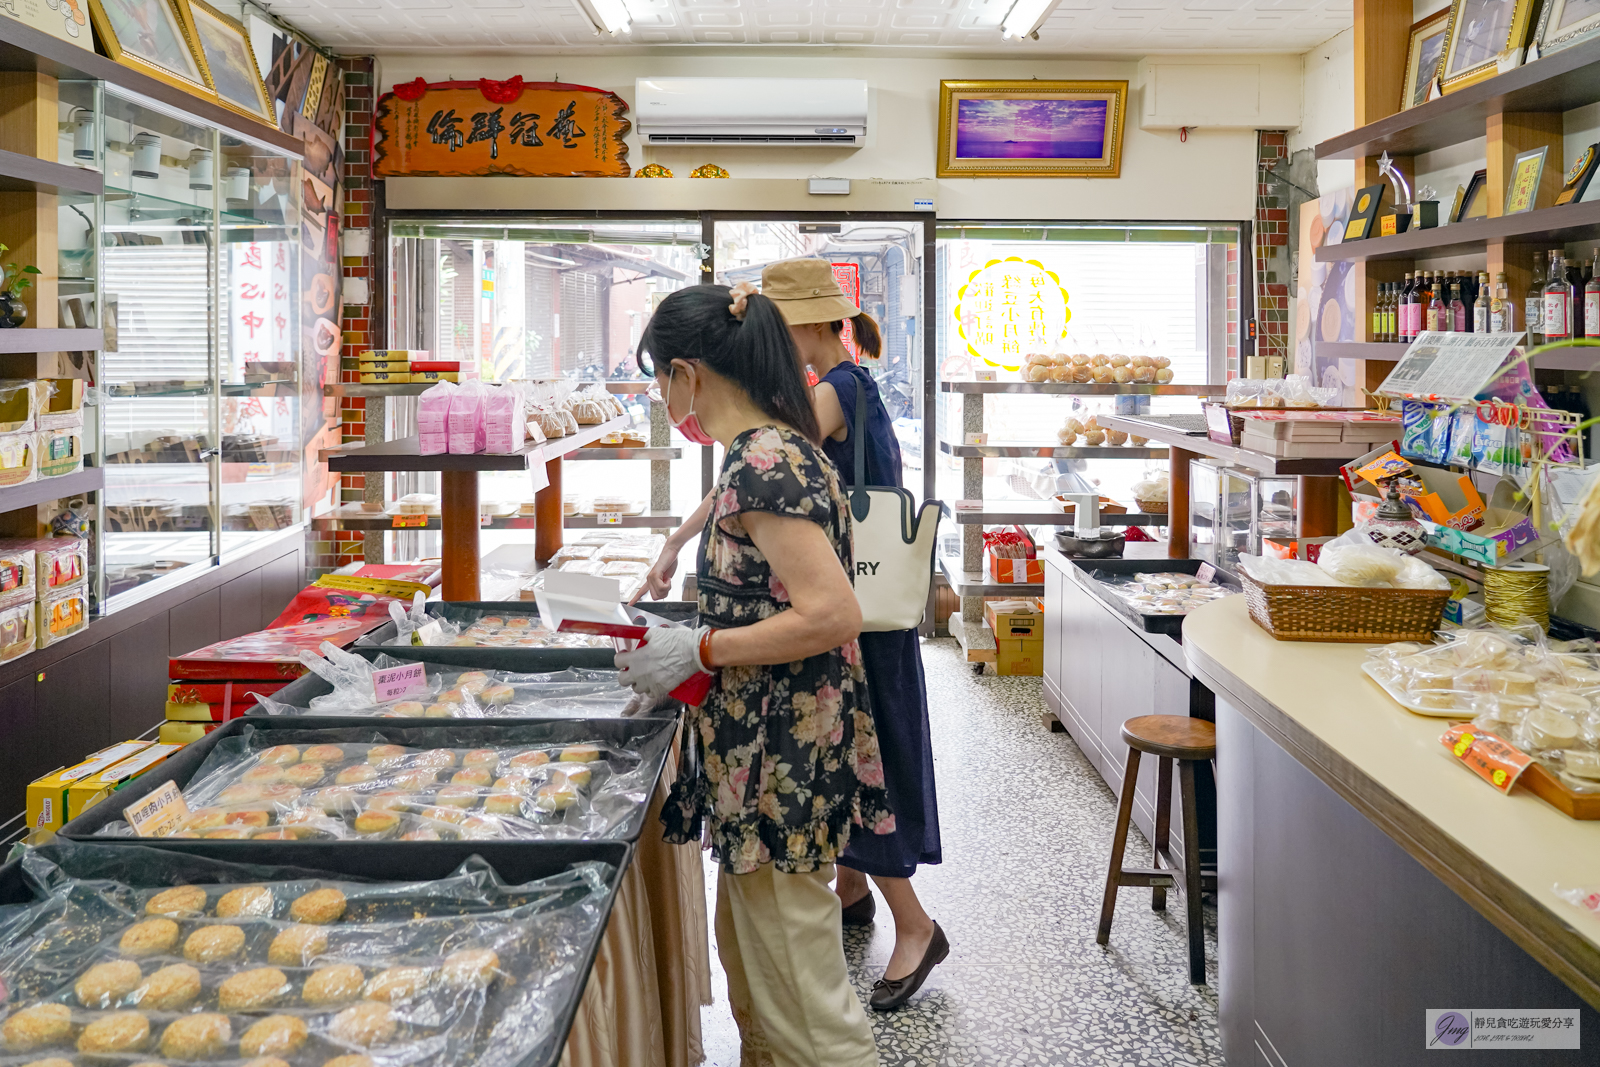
x,y
1100,27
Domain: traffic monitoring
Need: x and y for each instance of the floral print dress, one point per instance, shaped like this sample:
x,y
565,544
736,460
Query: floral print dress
x,y
788,758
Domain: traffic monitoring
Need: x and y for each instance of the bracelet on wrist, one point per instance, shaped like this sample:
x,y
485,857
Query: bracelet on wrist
x,y
704,654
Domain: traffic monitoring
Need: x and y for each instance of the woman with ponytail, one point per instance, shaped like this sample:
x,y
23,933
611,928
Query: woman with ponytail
x,y
783,758
846,397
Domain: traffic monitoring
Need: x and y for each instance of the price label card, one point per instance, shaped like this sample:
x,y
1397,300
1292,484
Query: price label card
x,y
977,439
428,634
401,522
393,683
159,813
1489,757
1206,573
608,518
986,374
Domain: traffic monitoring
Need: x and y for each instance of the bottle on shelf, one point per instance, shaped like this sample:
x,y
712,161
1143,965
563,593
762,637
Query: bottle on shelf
x,y
1591,299
1377,311
1438,310
1405,329
1390,312
1557,301
1480,304
1501,312
1575,282
1533,304
1460,318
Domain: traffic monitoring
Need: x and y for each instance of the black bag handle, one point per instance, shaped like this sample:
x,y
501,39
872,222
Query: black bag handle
x,y
860,499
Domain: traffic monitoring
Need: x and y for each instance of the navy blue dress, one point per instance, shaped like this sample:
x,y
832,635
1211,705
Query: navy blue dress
x,y
893,660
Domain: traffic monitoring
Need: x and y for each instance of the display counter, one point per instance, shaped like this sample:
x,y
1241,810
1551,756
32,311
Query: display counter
x,y
1365,876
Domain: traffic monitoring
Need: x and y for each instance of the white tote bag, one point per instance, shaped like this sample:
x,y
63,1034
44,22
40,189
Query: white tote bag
x,y
893,541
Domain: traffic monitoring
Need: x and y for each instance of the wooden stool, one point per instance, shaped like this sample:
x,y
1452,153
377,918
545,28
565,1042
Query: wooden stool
x,y
1171,737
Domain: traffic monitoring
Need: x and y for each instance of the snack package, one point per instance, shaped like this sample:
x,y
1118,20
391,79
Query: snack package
x,y
62,613
466,418
1463,438
18,626
433,419
18,560
505,420
60,562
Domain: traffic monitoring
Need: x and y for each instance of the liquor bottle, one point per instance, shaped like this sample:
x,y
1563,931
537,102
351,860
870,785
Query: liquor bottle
x,y
1533,304
1575,282
1459,316
1480,305
1557,300
1438,309
1403,321
1390,309
1376,327
1501,316
1591,299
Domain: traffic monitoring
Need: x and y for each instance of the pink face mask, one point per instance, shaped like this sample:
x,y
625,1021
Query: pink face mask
x,y
690,425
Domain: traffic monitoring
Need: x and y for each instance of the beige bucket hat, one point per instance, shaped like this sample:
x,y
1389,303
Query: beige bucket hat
x,y
805,291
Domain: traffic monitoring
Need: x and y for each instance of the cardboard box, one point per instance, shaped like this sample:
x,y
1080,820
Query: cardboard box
x,y
85,793
19,404
19,625
385,379
1008,571
62,613
385,366
1017,620
17,452
47,797
60,451
1019,657
435,376
182,733
63,408
271,654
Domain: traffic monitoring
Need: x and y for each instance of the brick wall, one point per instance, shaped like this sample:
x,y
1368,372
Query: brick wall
x,y
1272,251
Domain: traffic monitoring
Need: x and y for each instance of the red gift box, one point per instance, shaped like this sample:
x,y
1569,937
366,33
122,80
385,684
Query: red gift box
x,y
1008,570
268,654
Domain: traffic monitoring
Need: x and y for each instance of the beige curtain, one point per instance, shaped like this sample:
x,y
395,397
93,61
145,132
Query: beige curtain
x,y
641,1007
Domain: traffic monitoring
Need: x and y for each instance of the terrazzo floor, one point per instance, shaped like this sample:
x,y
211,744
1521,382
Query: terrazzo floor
x,y
1026,825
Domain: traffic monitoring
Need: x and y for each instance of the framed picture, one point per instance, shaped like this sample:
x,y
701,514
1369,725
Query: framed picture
x,y
1523,191
1041,129
1576,182
1475,200
1480,31
1564,23
152,36
230,62
1422,58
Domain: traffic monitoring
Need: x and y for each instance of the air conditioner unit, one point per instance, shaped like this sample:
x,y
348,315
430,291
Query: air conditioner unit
x,y
829,112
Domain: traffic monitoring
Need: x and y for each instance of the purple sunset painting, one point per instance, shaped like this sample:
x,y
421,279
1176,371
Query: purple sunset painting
x,y
1031,129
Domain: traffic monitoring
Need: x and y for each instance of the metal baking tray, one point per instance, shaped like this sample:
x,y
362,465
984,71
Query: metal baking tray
x,y
1171,625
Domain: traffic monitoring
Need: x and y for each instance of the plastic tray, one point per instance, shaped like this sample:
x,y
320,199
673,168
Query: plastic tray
x,y
1399,697
652,738
148,864
1171,625
523,660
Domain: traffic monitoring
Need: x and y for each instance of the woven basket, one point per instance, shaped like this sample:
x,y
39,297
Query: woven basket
x,y
1151,507
1342,613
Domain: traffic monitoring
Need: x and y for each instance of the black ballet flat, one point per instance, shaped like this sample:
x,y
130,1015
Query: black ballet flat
x,y
889,995
861,912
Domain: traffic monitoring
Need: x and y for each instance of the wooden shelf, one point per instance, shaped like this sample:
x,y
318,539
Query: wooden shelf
x,y
402,454
1553,225
1559,82
24,48
26,174
1152,428
26,339
88,480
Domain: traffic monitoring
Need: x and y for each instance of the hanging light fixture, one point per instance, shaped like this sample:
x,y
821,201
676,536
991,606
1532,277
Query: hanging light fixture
x,y
1025,18
607,16
200,169
82,133
147,155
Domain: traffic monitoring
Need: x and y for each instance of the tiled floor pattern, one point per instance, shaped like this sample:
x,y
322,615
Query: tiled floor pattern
x,y
1026,825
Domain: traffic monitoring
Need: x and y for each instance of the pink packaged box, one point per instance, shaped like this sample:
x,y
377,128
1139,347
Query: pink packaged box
x,y
433,419
466,418
504,419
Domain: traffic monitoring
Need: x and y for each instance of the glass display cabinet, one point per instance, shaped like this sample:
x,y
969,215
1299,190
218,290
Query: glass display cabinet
x,y
1221,513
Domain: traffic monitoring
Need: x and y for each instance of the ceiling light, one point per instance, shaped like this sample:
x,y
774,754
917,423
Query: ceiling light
x,y
607,16
1025,18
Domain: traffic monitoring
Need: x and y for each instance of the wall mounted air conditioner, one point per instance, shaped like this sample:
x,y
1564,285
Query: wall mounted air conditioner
x,y
828,112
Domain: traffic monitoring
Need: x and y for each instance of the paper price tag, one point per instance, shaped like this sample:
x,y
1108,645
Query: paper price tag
x,y
977,439
401,522
986,374
1206,573
1489,757
428,634
392,683
608,518
159,813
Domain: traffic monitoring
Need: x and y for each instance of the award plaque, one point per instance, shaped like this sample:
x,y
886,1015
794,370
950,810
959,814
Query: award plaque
x,y
1368,203
1578,175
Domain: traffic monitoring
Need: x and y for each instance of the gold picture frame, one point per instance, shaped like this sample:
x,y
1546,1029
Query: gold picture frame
x,y
1424,55
154,37
1564,23
1069,129
1481,31
230,62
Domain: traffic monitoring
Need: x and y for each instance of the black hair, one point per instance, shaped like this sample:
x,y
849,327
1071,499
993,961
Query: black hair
x,y
755,353
867,336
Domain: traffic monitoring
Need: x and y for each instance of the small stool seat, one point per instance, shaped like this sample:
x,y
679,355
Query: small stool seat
x,y
1170,738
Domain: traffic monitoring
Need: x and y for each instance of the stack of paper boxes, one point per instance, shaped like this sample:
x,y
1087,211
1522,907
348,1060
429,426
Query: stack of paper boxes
x,y
41,428
1018,627
398,366
67,793
44,593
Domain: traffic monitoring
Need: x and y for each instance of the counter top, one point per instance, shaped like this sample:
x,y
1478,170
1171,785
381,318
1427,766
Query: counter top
x,y
1502,854
1164,646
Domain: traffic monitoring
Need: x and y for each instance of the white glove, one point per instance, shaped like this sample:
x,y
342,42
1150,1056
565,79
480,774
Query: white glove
x,y
670,657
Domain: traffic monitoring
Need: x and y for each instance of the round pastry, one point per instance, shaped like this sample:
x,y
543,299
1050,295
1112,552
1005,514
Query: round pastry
x,y
323,754
496,695
181,902
1121,375
267,1061
1550,729
481,828
503,804
357,774
421,778
438,814
304,774
528,760
385,755
425,833
365,1024
57,1061
1579,762
481,757
457,796
1163,375
239,794
472,682
334,799
376,822
1437,699
105,984
262,774
319,906
397,984
436,758
1565,702
513,783
472,776
1431,678
36,1027
290,833
211,943
452,696
337,984
441,711
1512,708
555,796
1473,679
388,800
352,1060
284,792
256,819
196,1037
149,938
297,946
172,988
121,1031
280,754
1583,678
469,967
1513,683
256,988
578,776
275,1033
408,709
205,819
580,754
230,833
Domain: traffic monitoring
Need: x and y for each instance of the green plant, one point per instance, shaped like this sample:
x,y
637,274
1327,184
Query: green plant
x,y
14,278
